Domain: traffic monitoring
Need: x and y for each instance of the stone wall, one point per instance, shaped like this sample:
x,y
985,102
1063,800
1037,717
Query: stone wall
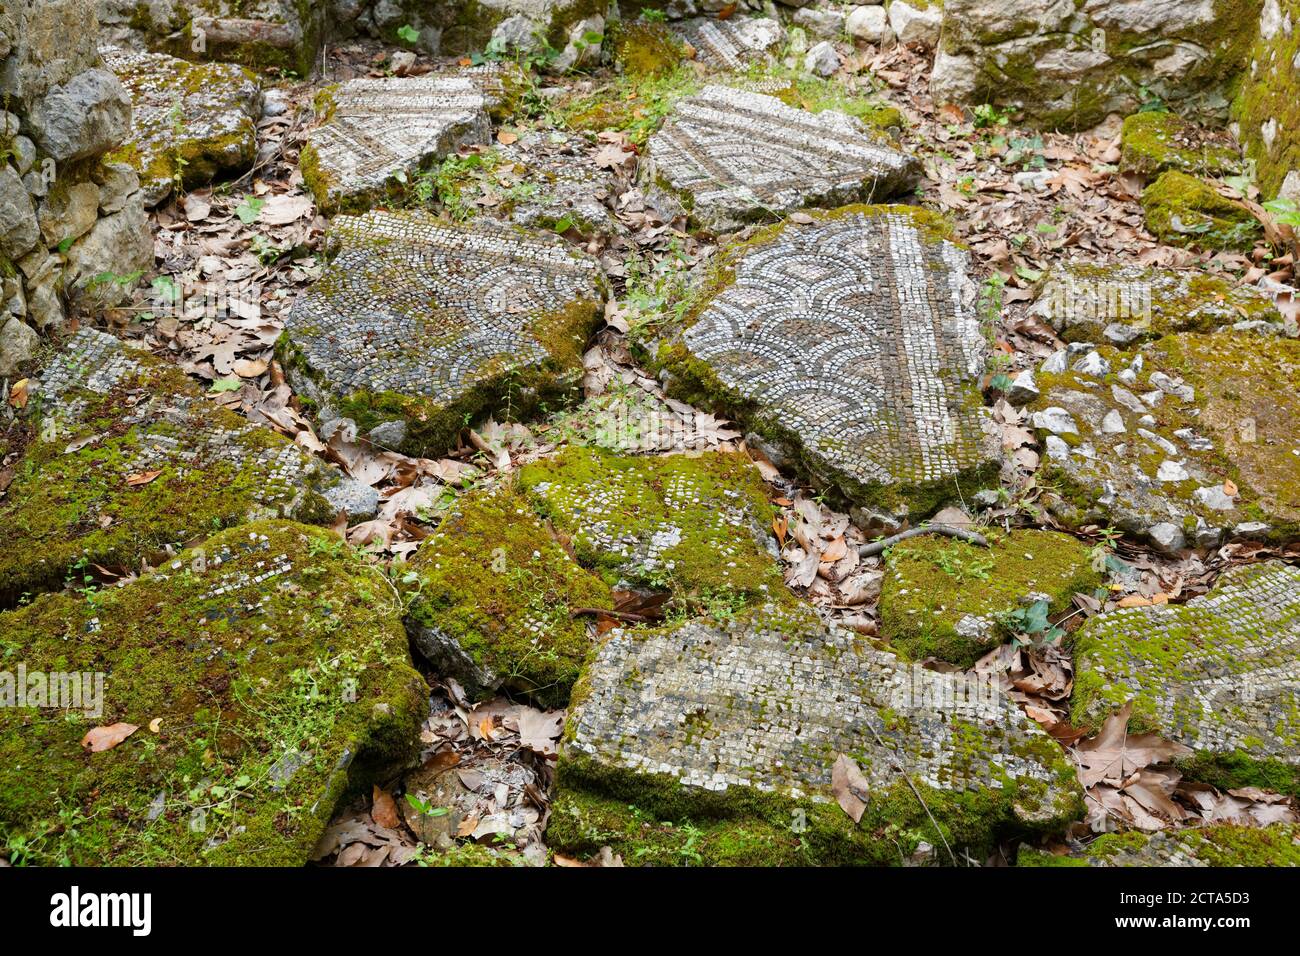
x,y
1067,64
1267,109
69,222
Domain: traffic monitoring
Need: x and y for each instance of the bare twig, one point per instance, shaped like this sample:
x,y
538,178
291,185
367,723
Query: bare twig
x,y
947,530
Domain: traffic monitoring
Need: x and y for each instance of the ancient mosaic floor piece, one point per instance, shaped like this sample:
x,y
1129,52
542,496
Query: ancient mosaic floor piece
x,y
768,700
129,458
1220,674
1223,844
192,121
854,338
222,642
730,44
375,129
551,182
421,323
732,157
1185,443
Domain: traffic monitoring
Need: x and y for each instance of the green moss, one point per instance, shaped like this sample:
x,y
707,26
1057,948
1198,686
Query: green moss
x,y
1185,211
645,48
495,580
1154,142
934,589
270,647
694,525
1267,95
634,104
1221,844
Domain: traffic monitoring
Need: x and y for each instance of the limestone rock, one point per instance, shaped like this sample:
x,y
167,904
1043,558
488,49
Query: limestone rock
x,y
192,121
916,22
737,724
1154,142
19,229
1265,109
129,459
949,600
870,23
68,213
822,60
513,312
853,344
376,129
206,646
731,44
1220,844
1199,410
733,157
698,526
18,342
826,22
1184,211
492,604
1122,304
117,245
1217,674
87,116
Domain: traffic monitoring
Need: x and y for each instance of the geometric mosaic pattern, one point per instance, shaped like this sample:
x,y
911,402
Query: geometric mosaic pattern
x,y
418,307
1219,673
737,156
858,335
204,113
728,44
381,127
769,699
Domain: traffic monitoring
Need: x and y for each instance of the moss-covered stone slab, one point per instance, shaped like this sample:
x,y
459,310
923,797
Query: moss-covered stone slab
x,y
377,132
1218,674
1145,440
853,344
1122,304
730,157
427,324
128,458
697,525
644,48
1222,844
949,599
731,730
1185,211
493,596
1266,107
191,122
550,181
1154,142
733,43
268,675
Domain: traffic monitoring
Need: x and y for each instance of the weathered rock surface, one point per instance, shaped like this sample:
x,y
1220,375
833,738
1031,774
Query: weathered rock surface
x,y
697,525
191,122
949,600
730,44
735,727
1218,674
1185,211
425,323
1266,107
852,343
493,601
1154,142
1123,304
272,671
129,459
730,157
373,130
1068,65
1222,844
1145,440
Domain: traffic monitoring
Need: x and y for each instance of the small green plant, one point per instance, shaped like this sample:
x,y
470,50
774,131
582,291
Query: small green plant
x,y
408,34
986,115
963,563
1031,625
1285,211
249,210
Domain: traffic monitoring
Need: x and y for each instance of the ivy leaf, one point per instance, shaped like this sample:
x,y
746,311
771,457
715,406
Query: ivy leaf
x,y
249,210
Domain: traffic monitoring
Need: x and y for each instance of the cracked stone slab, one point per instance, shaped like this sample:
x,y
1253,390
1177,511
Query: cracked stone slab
x,y
1219,674
423,322
854,345
732,157
376,129
262,627
1145,440
766,701
129,458
1124,304
730,44
195,121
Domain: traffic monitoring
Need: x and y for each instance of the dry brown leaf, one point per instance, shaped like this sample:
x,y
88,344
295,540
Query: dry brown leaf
x,y
142,478
851,789
383,809
99,739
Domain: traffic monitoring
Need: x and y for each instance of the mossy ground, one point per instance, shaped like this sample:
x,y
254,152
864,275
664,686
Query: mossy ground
x,y
69,511
1222,844
1185,211
642,48
612,507
1154,142
495,580
931,584
311,662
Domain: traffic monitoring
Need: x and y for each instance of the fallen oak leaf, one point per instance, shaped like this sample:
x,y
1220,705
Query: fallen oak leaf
x,y
99,739
142,478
